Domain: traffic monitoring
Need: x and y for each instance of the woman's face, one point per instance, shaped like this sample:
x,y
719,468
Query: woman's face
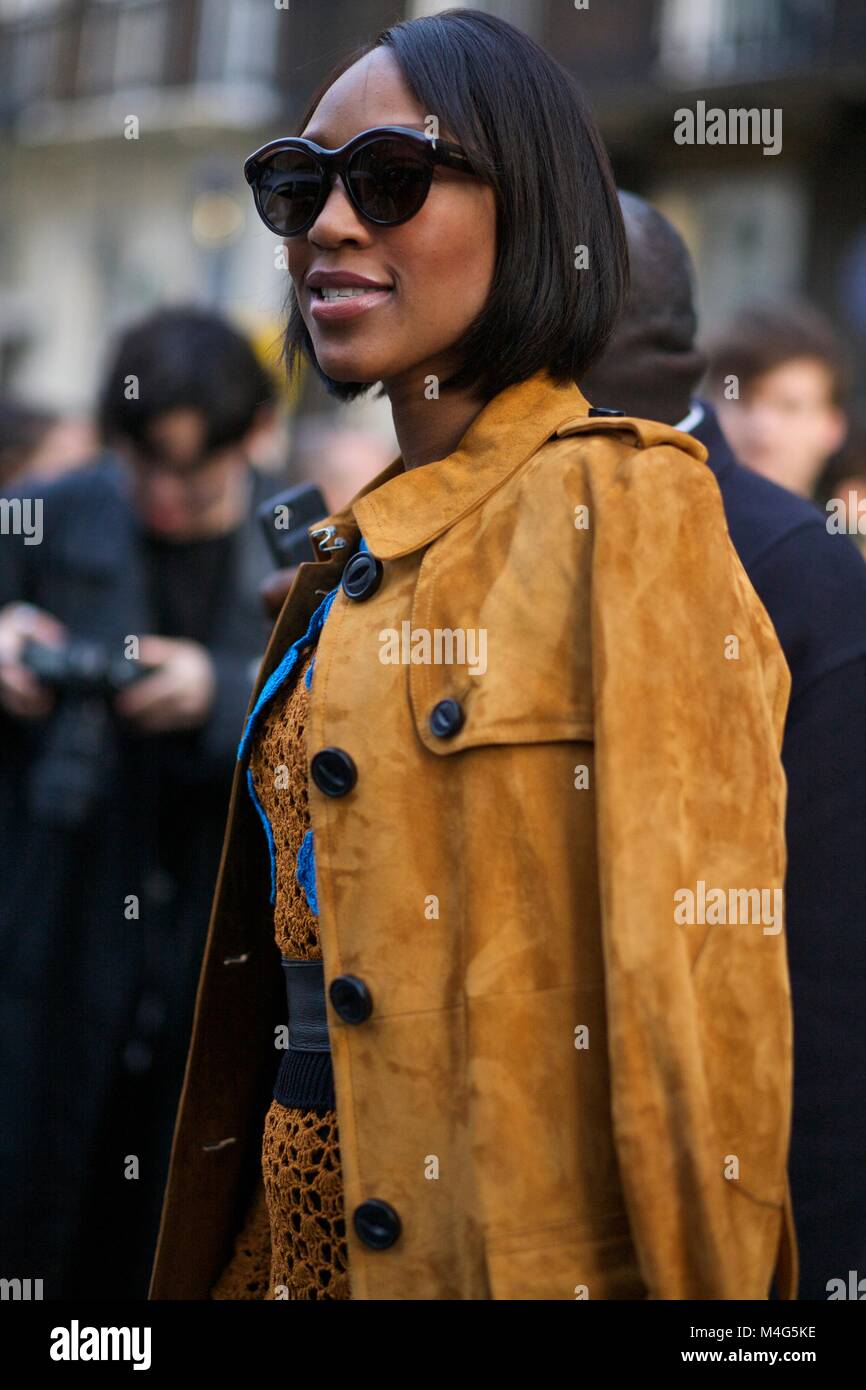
x,y
435,270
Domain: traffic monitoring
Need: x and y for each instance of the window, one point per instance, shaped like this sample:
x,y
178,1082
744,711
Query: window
x,y
32,49
718,39
123,44
238,40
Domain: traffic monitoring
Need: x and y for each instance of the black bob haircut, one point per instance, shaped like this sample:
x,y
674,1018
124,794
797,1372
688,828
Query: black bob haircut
x,y
184,357
530,135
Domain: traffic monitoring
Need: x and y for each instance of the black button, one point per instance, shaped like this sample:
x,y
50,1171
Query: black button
x,y
333,771
351,998
362,576
604,410
446,718
377,1223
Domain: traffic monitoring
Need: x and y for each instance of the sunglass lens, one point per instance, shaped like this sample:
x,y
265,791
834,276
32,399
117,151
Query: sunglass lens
x,y
389,180
288,185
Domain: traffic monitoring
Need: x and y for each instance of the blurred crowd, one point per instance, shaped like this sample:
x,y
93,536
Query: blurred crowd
x,y
149,548
131,629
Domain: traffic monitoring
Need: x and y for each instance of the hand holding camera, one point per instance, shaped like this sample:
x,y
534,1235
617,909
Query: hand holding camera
x,y
178,694
22,693
170,687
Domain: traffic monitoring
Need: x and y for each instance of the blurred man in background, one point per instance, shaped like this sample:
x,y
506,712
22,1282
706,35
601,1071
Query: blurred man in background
x,y
777,379
813,585
338,458
842,487
129,639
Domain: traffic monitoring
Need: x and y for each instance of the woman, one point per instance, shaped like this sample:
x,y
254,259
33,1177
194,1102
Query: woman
x,y
538,703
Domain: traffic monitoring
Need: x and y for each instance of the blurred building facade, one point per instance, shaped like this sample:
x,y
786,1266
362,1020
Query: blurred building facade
x,y
125,123
792,223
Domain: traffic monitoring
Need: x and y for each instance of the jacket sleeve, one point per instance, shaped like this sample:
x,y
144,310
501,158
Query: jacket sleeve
x,y
690,689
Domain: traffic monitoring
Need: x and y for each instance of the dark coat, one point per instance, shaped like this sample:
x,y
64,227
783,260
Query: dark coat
x,y
95,1005
813,586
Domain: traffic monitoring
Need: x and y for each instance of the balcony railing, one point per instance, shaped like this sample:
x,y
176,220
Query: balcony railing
x,y
95,48
734,40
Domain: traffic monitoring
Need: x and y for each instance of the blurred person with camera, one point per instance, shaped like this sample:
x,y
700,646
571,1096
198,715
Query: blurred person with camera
x,y
129,637
813,585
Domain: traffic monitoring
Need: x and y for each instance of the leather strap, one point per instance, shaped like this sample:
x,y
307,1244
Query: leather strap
x,y
305,991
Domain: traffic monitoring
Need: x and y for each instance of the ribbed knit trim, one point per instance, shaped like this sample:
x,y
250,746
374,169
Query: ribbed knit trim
x,y
305,1080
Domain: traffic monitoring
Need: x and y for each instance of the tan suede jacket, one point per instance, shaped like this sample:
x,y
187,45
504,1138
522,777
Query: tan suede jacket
x,y
560,891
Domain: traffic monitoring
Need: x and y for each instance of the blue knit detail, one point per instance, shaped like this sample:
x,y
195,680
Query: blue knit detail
x,y
268,832
305,871
306,863
308,678
287,665
284,670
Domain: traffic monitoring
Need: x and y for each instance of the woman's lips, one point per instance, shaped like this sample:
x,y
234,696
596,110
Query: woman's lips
x,y
329,310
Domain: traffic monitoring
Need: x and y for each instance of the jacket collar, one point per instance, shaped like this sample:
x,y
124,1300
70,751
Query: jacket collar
x,y
720,455
399,511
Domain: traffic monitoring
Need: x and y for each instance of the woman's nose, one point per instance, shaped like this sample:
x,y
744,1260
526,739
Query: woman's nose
x,y
338,220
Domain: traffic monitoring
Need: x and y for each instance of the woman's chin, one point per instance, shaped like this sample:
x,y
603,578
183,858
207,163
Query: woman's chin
x,y
345,367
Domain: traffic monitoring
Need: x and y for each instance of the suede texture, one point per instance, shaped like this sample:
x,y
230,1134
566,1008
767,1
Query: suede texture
x,y
503,906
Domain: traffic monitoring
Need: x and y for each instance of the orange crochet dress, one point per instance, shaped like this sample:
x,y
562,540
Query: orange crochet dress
x,y
292,1244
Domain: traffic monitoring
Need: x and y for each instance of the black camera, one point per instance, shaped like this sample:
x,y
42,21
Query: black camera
x,y
82,667
79,754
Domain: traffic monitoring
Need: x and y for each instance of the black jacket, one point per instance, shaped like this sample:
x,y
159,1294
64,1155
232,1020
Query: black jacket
x,y
813,586
96,995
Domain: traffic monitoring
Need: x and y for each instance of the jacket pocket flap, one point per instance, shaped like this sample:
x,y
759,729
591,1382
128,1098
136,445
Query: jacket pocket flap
x,y
493,660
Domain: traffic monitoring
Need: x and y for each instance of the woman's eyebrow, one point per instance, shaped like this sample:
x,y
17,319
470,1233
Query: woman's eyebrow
x,y
321,137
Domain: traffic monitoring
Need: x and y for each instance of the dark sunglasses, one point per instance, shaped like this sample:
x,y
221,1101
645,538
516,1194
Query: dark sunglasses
x,y
386,172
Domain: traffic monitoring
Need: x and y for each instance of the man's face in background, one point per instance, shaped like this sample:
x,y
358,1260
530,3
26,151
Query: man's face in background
x,y
786,424
181,490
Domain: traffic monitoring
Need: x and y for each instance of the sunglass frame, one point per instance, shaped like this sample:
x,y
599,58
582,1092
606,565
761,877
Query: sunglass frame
x,y
434,150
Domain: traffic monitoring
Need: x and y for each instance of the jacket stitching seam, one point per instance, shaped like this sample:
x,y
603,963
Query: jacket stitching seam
x,y
529,724
760,1201
522,461
498,1245
470,999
